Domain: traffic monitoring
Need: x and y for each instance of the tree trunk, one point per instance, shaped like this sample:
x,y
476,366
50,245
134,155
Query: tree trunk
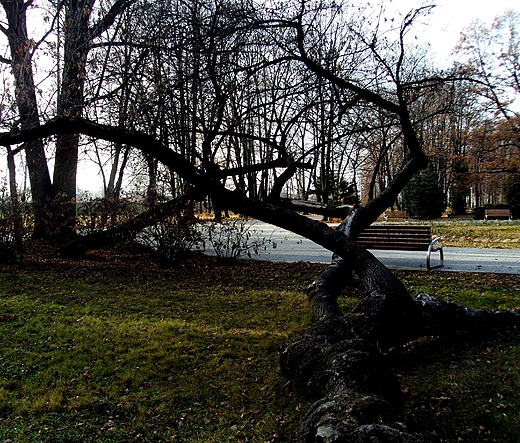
x,y
123,232
78,36
25,94
151,189
70,103
15,201
339,363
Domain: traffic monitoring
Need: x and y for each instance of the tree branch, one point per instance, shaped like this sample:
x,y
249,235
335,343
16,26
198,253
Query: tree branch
x,y
27,4
108,19
318,232
315,67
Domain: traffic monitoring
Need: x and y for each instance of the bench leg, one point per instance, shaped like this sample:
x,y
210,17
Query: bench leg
x,y
433,248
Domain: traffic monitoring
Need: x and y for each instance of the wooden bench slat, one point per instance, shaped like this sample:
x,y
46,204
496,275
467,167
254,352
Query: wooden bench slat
x,y
390,233
388,215
498,211
398,246
400,237
397,228
397,232
495,213
396,238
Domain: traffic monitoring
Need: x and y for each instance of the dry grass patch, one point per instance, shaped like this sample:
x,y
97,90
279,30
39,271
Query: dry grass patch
x,y
478,234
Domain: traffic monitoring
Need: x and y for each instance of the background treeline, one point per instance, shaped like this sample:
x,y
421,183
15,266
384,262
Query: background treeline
x,y
211,80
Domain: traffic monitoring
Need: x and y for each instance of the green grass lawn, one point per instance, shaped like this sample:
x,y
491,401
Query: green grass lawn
x,y
114,349
123,351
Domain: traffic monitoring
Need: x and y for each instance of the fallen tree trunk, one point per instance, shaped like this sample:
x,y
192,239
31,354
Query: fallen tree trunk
x,y
446,318
324,209
358,395
122,232
339,362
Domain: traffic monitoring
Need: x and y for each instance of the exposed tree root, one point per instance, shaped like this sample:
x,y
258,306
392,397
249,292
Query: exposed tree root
x,y
339,361
446,318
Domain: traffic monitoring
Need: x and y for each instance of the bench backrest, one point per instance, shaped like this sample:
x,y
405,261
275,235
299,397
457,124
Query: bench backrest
x,y
498,212
395,214
405,237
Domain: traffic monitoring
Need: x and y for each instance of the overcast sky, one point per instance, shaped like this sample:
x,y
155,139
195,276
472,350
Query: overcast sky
x,y
450,17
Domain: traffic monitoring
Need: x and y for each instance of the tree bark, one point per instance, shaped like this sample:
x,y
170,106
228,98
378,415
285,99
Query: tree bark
x,y
18,227
71,101
25,95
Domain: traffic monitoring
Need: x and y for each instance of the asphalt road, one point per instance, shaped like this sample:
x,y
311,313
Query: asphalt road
x,y
286,246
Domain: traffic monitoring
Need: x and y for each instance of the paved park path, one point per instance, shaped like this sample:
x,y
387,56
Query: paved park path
x,y
286,246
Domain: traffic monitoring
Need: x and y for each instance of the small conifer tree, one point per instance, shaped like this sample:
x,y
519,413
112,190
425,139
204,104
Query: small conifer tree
x,y
422,198
512,191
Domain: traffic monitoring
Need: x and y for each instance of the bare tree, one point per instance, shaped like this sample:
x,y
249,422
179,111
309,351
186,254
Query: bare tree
x,y
78,35
25,94
491,55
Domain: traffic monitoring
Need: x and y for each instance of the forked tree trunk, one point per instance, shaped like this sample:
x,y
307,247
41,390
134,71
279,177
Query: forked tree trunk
x,y
338,362
71,103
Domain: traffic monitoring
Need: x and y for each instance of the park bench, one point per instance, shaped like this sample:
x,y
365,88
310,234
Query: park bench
x,y
390,214
402,237
497,213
